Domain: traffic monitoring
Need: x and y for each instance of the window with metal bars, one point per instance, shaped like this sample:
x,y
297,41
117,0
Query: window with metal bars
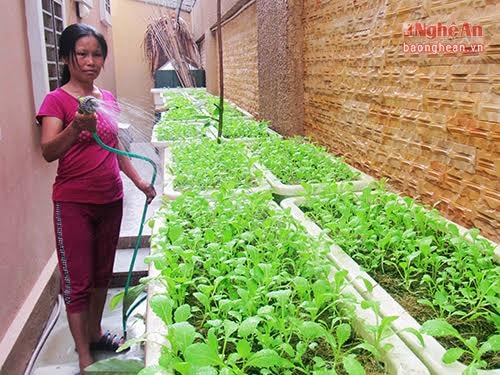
x,y
53,26
106,12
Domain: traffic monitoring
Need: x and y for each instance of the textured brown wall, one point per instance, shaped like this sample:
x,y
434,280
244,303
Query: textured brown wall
x,y
240,33
239,38
262,58
430,124
280,68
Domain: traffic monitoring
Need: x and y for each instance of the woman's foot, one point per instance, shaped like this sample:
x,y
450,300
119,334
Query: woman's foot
x,y
84,361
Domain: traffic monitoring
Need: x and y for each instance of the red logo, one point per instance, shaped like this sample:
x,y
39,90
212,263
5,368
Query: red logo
x,y
441,30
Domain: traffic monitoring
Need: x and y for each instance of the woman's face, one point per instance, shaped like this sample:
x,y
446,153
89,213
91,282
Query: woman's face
x,y
88,61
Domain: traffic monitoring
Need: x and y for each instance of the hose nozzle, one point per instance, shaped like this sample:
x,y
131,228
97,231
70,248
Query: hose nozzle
x,y
88,105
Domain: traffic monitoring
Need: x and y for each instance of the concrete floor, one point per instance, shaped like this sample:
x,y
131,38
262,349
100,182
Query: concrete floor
x,y
58,356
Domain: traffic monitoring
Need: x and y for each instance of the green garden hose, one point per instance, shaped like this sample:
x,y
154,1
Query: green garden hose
x,y
89,105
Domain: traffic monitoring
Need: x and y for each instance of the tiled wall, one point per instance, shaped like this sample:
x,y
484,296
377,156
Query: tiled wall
x,y
428,123
240,60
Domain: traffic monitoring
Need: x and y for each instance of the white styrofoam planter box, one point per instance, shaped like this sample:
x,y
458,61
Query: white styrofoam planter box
x,y
245,113
168,182
156,331
158,100
239,109
433,351
293,190
160,145
400,360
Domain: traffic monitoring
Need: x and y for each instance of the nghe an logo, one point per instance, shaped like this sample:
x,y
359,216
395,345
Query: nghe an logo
x,y
441,30
441,38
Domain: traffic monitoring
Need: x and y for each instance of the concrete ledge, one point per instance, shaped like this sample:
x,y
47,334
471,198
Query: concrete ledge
x,y
25,330
128,242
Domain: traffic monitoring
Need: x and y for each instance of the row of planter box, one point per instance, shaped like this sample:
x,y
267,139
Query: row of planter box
x,y
399,360
402,359
235,119
407,347
433,351
160,102
270,181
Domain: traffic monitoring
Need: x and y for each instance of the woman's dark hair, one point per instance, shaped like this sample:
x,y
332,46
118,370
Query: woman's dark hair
x,y
67,42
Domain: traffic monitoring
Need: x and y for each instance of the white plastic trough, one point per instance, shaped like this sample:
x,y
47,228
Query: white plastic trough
x,y
433,351
243,112
158,100
400,360
168,182
160,145
293,190
156,331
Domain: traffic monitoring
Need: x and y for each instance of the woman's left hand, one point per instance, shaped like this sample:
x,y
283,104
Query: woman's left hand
x,y
147,189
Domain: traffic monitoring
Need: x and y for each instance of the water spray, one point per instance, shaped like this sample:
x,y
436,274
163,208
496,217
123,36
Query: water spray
x,y
89,105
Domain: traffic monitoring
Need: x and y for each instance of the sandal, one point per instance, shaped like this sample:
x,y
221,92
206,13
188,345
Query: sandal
x,y
107,343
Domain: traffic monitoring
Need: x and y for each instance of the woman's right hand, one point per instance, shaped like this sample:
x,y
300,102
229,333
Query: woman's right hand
x,y
85,121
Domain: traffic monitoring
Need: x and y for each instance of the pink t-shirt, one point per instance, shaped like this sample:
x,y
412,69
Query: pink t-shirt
x,y
86,173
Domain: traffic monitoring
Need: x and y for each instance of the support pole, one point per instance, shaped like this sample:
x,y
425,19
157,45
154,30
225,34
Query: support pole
x,y
221,71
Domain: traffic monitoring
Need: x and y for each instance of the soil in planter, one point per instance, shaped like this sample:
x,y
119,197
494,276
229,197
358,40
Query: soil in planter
x,y
480,328
371,365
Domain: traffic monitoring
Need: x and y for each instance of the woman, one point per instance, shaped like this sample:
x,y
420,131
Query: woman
x,y
87,192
